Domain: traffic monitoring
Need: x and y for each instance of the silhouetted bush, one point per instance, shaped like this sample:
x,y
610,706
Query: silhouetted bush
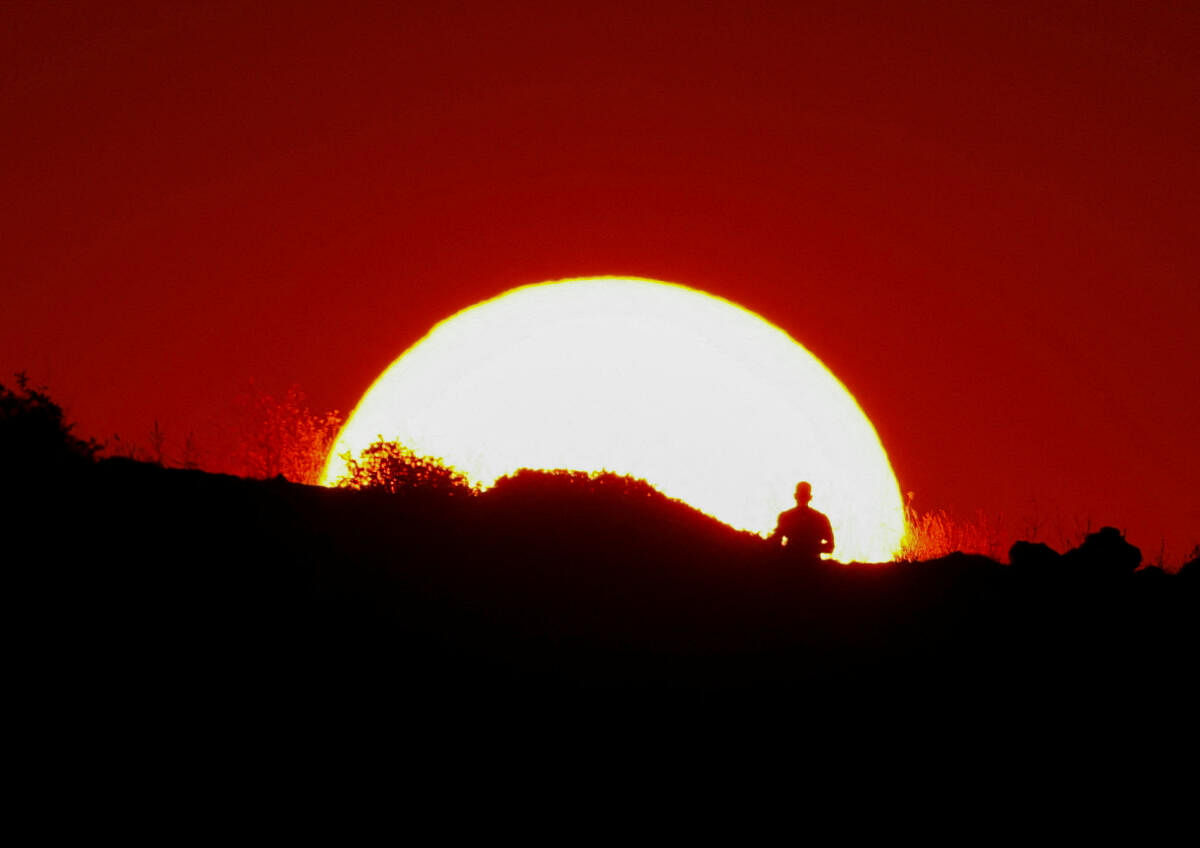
x,y
391,467
562,480
34,435
1105,552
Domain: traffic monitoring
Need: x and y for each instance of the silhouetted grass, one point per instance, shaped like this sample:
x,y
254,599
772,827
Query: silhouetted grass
x,y
930,535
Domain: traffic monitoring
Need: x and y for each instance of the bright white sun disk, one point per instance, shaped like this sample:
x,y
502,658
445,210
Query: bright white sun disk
x,y
705,400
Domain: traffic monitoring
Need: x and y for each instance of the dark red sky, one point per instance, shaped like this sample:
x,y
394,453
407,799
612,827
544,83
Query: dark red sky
x,y
982,217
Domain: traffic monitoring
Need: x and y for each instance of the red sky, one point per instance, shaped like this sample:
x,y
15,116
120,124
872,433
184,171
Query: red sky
x,y
981,217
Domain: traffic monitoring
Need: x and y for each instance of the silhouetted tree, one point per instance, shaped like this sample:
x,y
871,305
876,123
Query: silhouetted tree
x,y
34,434
392,467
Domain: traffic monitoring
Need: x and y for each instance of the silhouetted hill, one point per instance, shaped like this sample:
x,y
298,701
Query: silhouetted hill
x,y
148,579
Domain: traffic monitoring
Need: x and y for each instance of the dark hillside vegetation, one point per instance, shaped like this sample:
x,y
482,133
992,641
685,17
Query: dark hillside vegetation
x,y
138,580
145,573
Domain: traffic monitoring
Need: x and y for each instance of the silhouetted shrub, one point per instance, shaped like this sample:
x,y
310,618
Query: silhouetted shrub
x,y
392,467
1105,552
34,435
562,480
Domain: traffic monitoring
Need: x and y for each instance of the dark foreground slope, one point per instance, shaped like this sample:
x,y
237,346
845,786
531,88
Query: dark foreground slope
x,y
143,580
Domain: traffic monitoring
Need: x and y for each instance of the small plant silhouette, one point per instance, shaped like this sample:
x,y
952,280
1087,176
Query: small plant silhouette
x,y
394,468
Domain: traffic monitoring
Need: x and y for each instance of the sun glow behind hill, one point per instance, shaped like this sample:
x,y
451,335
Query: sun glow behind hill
x,y
705,400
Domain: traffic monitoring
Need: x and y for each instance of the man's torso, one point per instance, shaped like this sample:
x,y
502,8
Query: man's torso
x,y
804,528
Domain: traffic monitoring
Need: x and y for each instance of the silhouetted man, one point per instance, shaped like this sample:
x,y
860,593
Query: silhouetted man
x,y
808,533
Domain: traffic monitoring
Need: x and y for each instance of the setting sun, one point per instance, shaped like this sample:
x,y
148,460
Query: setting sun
x,y
705,400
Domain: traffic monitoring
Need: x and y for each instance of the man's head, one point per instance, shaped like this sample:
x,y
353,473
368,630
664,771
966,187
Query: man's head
x,y
803,493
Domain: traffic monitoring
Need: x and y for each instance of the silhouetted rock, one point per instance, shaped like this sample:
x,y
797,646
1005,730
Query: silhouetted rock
x,y
1033,556
1105,553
